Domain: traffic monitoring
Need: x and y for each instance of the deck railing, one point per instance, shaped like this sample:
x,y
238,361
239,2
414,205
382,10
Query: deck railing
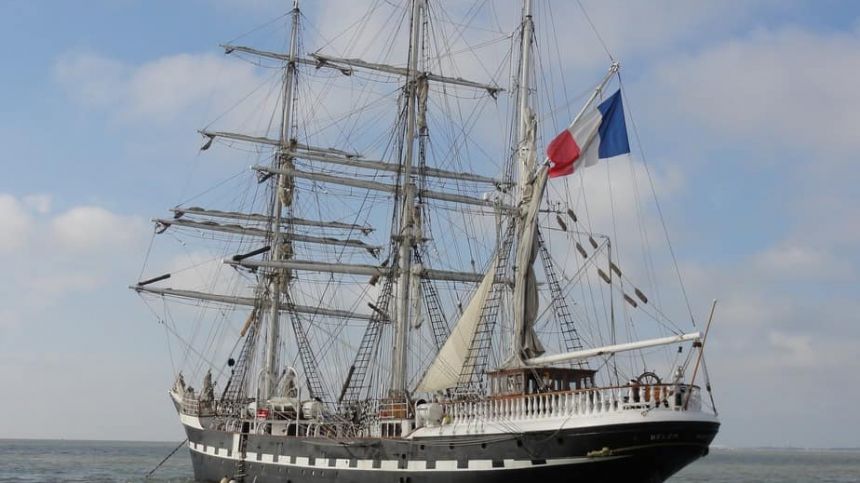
x,y
676,397
542,406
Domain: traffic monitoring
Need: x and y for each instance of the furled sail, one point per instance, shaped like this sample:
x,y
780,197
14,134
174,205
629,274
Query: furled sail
x,y
525,284
445,369
525,296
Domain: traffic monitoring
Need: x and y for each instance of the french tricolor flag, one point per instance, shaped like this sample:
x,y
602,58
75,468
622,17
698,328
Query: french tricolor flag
x,y
598,134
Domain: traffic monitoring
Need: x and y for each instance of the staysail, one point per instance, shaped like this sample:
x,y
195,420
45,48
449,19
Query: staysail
x,y
445,369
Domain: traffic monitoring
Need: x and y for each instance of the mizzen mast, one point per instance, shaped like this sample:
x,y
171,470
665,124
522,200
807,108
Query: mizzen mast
x,y
530,187
524,110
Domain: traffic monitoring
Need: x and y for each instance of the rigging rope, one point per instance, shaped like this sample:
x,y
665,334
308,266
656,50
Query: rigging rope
x,y
657,201
596,32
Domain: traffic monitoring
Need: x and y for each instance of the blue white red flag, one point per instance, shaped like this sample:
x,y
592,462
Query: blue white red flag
x,y
598,134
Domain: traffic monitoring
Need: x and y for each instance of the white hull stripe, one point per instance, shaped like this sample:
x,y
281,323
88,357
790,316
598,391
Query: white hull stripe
x,y
392,465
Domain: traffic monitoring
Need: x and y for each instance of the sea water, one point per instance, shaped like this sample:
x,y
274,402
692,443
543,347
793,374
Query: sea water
x,y
39,461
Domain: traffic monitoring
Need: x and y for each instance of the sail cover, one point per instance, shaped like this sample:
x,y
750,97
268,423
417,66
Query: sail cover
x,y
445,369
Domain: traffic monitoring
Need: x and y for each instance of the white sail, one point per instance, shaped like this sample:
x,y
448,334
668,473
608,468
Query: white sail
x,y
446,367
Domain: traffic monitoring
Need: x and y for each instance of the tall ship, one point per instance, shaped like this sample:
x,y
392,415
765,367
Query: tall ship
x,y
410,284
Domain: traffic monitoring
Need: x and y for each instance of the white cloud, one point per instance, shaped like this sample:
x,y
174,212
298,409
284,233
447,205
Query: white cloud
x,y
792,350
631,29
9,318
41,203
798,262
784,87
16,223
91,79
61,283
51,256
93,228
160,90
165,87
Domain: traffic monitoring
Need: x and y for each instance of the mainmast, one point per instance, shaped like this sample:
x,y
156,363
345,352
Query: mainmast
x,y
406,236
283,195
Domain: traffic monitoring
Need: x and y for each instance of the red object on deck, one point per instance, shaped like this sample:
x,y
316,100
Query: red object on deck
x,y
263,413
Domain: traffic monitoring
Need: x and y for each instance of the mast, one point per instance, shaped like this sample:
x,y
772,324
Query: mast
x,y
282,196
524,94
524,290
406,237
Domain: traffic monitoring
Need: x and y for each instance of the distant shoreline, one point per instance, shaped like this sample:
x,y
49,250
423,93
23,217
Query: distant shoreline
x,y
781,448
73,440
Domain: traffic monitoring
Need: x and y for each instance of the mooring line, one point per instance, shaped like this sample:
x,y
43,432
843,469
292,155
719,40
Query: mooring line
x,y
166,458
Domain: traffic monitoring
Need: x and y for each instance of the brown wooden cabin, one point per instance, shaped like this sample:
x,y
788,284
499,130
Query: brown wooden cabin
x,y
534,380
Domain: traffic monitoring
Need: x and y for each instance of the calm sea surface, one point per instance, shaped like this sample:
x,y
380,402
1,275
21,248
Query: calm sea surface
x,y
90,461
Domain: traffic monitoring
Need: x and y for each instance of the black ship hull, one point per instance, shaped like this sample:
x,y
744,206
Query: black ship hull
x,y
636,452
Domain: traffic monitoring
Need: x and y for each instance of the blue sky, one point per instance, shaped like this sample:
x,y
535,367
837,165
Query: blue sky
x,y
748,115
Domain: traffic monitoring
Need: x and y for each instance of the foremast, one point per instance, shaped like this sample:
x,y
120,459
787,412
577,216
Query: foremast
x,y
282,199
